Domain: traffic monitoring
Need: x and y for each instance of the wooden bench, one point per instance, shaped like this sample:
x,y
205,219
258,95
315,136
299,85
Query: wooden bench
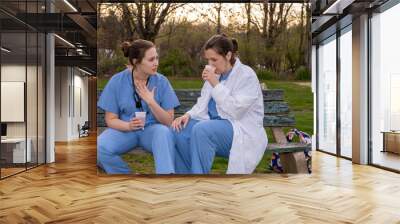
x,y
276,117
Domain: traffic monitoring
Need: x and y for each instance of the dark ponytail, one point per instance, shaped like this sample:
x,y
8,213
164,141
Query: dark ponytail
x,y
136,50
221,44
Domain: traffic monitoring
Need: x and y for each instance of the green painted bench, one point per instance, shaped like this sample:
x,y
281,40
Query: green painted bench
x,y
276,117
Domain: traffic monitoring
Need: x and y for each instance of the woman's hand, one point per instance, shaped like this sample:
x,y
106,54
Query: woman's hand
x,y
145,93
134,124
210,76
178,122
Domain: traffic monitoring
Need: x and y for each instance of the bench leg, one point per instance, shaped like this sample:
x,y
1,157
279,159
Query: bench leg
x,y
295,162
279,135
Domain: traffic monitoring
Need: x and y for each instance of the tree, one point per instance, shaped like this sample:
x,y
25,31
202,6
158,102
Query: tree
x,y
274,23
214,15
218,8
247,50
146,19
272,38
109,33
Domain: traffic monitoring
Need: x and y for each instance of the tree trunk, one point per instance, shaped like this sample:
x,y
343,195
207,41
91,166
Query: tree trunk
x,y
146,18
248,13
219,7
307,55
302,33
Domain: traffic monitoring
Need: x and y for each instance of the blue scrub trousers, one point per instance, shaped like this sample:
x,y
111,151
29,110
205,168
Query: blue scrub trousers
x,y
157,139
199,142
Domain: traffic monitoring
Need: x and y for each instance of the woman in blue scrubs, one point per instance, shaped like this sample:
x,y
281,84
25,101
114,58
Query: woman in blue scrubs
x,y
139,88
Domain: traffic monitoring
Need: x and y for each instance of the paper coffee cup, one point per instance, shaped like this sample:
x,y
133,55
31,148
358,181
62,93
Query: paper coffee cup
x,y
141,116
210,67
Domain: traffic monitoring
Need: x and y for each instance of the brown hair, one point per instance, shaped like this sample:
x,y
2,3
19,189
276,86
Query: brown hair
x,y
136,49
221,44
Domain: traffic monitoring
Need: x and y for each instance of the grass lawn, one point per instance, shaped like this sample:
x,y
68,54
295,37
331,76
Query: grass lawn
x,y
298,96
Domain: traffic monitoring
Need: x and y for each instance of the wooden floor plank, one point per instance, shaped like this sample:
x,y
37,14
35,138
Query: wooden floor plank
x,y
70,191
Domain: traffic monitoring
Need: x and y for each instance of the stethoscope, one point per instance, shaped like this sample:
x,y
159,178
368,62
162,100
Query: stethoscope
x,y
136,97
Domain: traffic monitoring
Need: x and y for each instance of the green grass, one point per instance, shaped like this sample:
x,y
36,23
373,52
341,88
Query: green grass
x,y
144,164
140,163
297,96
186,84
300,102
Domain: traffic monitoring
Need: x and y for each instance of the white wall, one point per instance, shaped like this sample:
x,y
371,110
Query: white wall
x,y
61,103
70,84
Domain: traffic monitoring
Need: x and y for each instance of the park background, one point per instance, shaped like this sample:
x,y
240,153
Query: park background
x,y
274,39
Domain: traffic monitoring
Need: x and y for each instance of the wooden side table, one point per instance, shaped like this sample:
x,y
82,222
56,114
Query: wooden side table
x,y
391,141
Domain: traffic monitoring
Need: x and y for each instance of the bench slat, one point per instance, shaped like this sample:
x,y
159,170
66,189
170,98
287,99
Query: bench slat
x,y
269,121
288,147
276,110
193,94
272,107
100,120
279,121
273,95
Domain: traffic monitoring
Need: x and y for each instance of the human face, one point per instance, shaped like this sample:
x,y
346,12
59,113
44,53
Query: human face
x,y
221,63
149,63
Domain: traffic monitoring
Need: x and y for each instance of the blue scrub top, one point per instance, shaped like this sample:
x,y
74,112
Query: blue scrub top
x,y
212,108
117,96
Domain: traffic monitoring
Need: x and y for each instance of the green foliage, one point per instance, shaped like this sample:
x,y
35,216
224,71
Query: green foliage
x,y
174,63
303,73
101,83
111,61
266,74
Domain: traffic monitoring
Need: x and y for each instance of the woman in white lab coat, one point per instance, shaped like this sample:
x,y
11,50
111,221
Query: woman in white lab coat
x,y
227,119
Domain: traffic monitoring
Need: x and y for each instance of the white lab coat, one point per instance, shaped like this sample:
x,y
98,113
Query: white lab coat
x,y
239,99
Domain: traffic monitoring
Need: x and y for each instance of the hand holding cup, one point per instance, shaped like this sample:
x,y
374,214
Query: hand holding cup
x,y
209,75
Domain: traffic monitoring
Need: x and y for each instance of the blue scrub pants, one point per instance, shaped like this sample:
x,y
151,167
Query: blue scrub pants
x,y
157,139
199,142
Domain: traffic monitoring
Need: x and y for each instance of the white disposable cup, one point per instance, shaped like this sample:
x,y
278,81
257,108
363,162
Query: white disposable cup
x,y
210,67
141,116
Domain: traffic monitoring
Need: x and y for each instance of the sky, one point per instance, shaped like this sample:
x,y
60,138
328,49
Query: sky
x,y
228,8
194,12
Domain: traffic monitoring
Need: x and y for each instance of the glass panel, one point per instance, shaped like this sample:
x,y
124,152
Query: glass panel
x,y
31,98
23,82
13,74
327,95
385,84
346,93
41,99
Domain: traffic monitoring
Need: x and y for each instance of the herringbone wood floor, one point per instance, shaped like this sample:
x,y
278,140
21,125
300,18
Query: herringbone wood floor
x,y
70,191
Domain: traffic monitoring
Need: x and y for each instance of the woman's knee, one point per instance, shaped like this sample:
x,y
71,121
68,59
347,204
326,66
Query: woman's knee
x,y
201,129
163,131
102,144
107,143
